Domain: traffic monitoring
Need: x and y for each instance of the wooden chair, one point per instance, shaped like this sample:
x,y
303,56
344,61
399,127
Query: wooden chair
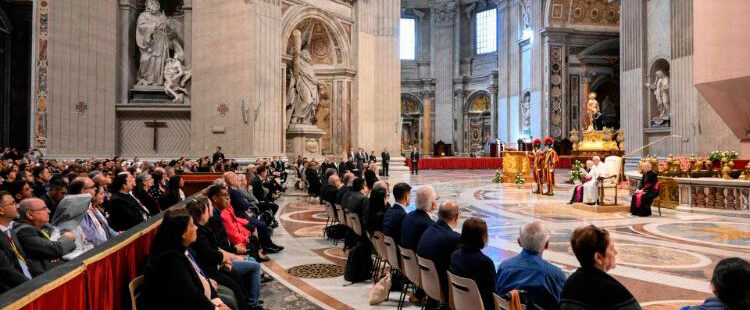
x,y
331,212
394,262
134,287
382,257
341,214
465,293
613,165
430,279
410,269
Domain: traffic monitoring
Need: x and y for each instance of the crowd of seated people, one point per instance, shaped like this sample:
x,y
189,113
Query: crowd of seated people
x,y
543,285
52,211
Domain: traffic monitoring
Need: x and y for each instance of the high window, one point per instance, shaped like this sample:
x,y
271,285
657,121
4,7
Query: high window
x,y
407,37
486,31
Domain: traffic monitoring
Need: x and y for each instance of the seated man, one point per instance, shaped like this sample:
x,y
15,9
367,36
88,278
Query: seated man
x,y
578,189
394,216
56,191
730,286
331,189
344,191
640,205
355,203
529,272
13,261
417,221
439,241
591,188
35,236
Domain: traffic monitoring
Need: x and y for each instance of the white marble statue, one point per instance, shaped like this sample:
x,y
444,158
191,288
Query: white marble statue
x,y
525,113
303,92
175,78
660,86
153,40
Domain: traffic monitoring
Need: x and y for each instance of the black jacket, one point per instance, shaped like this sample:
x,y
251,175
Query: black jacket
x,y
170,282
392,221
207,252
385,157
11,274
313,182
478,267
437,244
42,254
148,201
258,190
124,212
414,225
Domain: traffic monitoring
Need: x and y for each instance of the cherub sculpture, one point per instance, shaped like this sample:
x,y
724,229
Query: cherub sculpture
x,y
175,78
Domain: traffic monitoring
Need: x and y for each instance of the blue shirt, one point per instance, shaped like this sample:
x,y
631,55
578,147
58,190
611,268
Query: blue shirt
x,y
529,272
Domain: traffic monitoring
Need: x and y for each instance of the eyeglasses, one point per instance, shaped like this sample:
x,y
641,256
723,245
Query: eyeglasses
x,y
8,204
40,209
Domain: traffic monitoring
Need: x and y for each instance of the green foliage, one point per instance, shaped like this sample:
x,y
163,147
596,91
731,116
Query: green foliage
x,y
519,179
498,177
576,172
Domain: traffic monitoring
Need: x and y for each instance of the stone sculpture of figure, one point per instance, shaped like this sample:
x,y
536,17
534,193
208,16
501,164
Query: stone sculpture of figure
x,y
303,92
175,77
153,42
525,113
661,91
592,109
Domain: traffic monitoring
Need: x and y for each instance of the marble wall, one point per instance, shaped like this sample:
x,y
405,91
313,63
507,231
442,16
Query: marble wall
x,y
80,76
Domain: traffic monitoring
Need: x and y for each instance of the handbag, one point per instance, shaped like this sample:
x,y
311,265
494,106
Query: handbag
x,y
379,292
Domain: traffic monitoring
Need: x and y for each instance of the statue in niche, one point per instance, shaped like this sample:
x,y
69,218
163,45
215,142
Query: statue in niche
x,y
592,109
660,87
303,92
155,38
526,114
175,78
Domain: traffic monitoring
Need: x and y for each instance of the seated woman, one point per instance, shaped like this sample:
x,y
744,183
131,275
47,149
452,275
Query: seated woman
x,y
210,257
640,205
730,285
172,279
174,192
578,190
469,261
590,287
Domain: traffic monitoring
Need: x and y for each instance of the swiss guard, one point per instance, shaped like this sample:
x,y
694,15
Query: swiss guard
x,y
537,158
548,165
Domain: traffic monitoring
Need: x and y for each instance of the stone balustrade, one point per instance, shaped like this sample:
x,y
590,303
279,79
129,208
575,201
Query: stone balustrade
x,y
711,193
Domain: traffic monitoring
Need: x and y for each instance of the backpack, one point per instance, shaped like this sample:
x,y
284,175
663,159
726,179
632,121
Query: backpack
x,y
358,264
337,231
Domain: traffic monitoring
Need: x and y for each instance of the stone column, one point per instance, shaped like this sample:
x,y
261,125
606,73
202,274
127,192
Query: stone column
x,y
126,16
443,14
426,123
187,9
586,79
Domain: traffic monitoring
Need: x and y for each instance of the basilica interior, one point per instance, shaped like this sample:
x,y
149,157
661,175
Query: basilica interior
x,y
305,141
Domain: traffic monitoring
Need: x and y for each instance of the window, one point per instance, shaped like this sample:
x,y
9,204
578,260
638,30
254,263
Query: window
x,y
486,31
407,37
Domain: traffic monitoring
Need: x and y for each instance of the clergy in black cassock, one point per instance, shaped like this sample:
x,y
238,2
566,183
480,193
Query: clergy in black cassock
x,y
640,205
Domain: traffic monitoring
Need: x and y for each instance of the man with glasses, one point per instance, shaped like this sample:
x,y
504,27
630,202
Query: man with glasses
x,y
13,267
35,235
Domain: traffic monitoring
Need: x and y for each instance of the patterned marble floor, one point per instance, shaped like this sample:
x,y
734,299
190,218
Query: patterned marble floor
x,y
665,261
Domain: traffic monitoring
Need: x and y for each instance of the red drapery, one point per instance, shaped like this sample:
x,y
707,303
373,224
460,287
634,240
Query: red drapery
x,y
103,281
471,163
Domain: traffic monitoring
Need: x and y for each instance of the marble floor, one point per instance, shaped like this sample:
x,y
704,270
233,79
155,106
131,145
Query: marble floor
x,y
665,261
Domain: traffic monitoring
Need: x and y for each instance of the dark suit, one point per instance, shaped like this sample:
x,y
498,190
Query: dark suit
x,y
40,251
38,189
342,169
414,157
392,221
478,267
385,159
328,193
125,212
370,178
51,204
437,244
258,190
341,193
148,201
171,282
313,182
356,204
207,254
218,156
373,217
11,274
414,225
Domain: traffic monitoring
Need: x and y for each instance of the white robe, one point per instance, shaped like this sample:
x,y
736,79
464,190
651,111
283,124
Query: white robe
x,y
591,188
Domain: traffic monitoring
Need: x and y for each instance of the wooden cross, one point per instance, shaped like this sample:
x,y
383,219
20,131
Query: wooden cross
x,y
156,125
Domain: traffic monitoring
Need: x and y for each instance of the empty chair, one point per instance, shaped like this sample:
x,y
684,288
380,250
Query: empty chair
x,y
391,252
464,292
331,212
430,280
134,287
377,242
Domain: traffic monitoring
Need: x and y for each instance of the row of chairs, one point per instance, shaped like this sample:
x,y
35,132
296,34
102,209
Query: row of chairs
x,y
421,272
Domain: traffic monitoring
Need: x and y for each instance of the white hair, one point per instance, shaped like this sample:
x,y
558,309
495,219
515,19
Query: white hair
x,y
533,237
425,196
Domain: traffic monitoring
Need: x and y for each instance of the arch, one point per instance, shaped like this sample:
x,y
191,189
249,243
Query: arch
x,y
413,98
294,16
475,95
609,47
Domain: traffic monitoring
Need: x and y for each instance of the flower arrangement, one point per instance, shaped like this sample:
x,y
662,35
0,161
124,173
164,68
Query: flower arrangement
x,y
716,155
519,179
575,172
498,177
731,155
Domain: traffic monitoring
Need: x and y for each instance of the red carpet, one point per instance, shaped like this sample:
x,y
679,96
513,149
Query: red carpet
x,y
450,163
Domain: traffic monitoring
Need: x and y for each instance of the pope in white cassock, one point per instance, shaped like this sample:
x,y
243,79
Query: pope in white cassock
x,y
591,188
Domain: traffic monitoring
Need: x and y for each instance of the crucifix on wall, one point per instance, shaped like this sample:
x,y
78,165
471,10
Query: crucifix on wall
x,y
156,125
